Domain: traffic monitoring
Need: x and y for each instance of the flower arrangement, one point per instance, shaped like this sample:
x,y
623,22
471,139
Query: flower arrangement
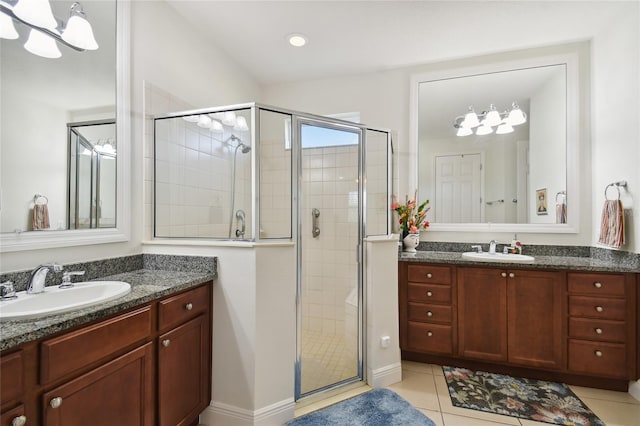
x,y
411,221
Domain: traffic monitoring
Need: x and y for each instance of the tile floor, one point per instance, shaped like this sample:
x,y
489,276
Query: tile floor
x,y
327,359
424,386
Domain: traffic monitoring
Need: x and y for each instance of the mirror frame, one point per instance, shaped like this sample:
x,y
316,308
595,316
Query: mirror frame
x,y
34,240
571,61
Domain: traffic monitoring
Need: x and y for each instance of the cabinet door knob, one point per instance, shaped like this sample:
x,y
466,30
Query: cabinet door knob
x,y
19,421
598,353
511,275
429,275
503,275
429,313
188,306
56,402
599,309
166,343
429,294
597,285
598,331
429,333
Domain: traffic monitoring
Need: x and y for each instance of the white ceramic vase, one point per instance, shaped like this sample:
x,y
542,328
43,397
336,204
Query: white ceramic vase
x,y
410,242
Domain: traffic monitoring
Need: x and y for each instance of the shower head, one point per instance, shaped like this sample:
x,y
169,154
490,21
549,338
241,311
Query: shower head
x,y
245,148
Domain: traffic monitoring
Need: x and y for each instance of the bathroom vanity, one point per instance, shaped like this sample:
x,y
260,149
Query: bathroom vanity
x,y
145,359
552,320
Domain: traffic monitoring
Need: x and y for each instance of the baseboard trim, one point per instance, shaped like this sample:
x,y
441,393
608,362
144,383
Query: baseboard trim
x,y
634,389
219,413
385,376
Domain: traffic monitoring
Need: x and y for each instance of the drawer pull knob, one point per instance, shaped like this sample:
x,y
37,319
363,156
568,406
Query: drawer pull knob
x,y
429,313
429,333
598,353
166,343
56,402
429,294
19,421
188,306
504,275
597,285
598,331
599,309
511,275
429,275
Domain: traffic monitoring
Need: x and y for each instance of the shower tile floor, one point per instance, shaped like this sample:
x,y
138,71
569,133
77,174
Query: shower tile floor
x,y
326,359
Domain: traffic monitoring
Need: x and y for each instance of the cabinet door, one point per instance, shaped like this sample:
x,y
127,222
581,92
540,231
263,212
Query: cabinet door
x,y
482,313
184,372
535,326
118,393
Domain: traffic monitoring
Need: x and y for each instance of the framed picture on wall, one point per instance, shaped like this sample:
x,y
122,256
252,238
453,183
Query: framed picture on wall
x,y
541,201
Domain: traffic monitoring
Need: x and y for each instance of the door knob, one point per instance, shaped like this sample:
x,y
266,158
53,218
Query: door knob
x,y
166,343
188,306
56,402
19,421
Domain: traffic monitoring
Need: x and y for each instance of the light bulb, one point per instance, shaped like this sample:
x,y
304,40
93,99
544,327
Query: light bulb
x,y
79,33
464,131
7,29
36,12
204,121
484,130
41,44
241,124
516,116
470,119
493,117
229,118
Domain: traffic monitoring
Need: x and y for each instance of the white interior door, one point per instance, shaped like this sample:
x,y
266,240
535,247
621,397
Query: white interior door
x,y
458,188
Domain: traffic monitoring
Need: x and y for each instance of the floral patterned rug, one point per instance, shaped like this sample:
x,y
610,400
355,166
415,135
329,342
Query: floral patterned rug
x,y
524,398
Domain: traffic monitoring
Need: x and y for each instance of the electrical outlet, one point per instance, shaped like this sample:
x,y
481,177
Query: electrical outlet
x,y
385,341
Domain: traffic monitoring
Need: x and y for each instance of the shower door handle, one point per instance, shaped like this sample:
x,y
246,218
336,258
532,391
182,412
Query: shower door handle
x,y
315,229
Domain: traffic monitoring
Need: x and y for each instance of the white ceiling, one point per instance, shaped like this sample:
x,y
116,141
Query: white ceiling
x,y
349,37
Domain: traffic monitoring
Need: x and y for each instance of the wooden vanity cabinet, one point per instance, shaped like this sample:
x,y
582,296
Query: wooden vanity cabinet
x,y
12,389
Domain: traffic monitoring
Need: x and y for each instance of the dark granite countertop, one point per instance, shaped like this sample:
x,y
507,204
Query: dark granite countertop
x,y
589,264
146,285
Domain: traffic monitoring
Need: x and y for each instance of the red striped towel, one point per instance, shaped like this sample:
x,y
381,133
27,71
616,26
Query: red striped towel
x,y
612,224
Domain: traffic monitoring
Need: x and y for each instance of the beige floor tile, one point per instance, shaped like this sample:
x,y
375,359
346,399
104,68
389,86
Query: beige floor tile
x,y
418,366
456,420
436,416
418,389
437,370
447,408
614,413
606,395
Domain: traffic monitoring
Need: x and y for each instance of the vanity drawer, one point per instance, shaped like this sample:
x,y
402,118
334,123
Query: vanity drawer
x,y
430,313
601,359
429,274
596,284
597,307
597,329
427,293
434,338
11,376
77,349
182,307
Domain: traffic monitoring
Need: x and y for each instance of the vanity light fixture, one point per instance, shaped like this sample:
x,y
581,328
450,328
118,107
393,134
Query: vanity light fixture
x,y
297,40
37,15
241,124
487,120
229,118
216,126
204,121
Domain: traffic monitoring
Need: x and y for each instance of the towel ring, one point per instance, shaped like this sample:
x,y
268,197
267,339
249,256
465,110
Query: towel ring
x,y
616,186
38,197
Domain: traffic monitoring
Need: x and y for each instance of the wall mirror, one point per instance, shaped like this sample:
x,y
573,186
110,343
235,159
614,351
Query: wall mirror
x,y
44,102
514,168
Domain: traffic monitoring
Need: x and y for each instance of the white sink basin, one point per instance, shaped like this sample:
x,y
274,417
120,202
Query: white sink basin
x,y
498,257
56,300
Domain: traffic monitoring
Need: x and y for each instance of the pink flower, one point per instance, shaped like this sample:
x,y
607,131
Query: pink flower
x,y
413,229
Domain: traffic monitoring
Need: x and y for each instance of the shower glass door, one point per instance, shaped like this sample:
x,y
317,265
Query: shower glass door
x,y
329,276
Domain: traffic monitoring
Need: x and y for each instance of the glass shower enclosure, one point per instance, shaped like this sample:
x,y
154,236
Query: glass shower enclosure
x,y
259,173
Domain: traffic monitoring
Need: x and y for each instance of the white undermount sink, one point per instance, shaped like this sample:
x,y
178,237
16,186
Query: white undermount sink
x,y
498,257
56,300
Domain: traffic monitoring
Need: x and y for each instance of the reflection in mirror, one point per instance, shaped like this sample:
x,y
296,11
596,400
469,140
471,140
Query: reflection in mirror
x,y
39,96
92,175
495,172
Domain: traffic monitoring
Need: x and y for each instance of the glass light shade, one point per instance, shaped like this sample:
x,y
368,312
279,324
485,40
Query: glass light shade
x,y
516,116
216,126
484,130
504,128
42,45
85,151
7,29
229,118
36,12
204,121
241,124
108,148
79,33
493,117
464,131
191,118
470,119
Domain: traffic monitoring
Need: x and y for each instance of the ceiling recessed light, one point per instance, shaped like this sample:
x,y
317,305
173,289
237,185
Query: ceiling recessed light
x,y
297,40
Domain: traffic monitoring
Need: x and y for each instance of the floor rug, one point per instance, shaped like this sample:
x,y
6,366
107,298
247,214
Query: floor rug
x,y
529,399
378,407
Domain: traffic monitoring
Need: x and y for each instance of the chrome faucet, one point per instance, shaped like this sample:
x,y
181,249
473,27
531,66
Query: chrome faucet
x,y
492,246
38,276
